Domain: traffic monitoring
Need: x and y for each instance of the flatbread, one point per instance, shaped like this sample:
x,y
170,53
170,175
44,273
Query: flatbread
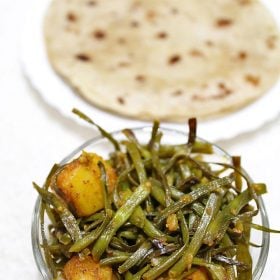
x,y
169,60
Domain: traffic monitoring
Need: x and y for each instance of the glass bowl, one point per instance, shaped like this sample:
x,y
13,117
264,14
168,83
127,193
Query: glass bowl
x,y
102,146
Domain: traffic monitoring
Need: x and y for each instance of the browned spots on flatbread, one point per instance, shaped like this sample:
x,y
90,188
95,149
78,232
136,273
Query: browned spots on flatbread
x,y
121,100
196,53
162,35
222,92
174,59
242,55
140,78
209,43
83,57
113,41
271,42
223,22
245,2
99,34
252,79
124,64
134,24
71,16
174,11
91,3
151,15
197,97
177,92
135,5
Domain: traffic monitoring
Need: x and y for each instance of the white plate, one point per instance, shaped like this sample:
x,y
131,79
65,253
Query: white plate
x,y
59,95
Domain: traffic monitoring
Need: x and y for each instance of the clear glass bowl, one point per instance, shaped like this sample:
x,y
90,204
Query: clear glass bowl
x,y
102,147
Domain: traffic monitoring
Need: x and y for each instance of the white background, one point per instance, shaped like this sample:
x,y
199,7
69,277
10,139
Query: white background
x,y
33,136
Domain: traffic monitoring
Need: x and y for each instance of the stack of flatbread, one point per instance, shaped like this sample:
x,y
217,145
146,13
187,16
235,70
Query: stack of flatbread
x,y
164,59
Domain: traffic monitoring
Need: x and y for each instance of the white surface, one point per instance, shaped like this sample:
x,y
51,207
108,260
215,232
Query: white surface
x,y
59,95
34,135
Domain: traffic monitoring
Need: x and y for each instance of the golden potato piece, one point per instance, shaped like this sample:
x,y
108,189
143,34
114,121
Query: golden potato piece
x,y
200,274
86,269
79,184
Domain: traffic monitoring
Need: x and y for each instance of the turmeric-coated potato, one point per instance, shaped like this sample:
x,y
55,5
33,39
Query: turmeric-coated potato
x,y
86,269
200,274
79,184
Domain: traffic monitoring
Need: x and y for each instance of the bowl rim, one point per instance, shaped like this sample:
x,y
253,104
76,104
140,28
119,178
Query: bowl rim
x,y
38,255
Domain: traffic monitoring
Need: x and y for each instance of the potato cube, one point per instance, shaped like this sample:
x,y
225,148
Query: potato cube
x,y
79,184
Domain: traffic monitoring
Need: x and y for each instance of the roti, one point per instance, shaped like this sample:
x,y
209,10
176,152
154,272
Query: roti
x,y
166,60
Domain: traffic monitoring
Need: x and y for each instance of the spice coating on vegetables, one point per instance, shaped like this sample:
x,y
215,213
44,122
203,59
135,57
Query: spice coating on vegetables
x,y
79,184
149,211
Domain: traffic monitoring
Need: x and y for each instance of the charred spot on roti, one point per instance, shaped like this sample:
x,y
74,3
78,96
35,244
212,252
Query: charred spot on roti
x,y
209,43
134,24
221,95
177,92
252,79
99,34
71,16
91,3
245,2
224,90
174,59
151,15
196,53
221,85
135,6
162,35
83,57
121,100
223,22
140,78
174,11
196,97
124,64
271,42
242,55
